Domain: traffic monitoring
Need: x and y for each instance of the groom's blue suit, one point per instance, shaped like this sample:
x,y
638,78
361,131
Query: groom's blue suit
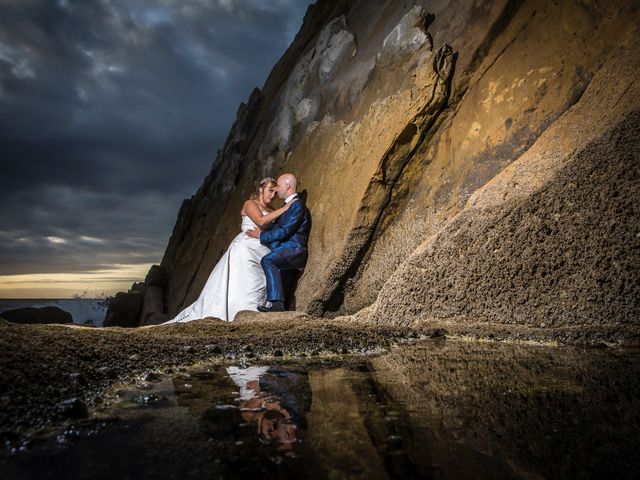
x,y
287,240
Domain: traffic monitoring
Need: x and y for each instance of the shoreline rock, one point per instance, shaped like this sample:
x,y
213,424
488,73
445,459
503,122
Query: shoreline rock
x,y
34,315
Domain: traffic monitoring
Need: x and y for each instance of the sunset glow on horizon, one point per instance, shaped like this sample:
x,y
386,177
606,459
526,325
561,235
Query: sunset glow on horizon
x,y
65,285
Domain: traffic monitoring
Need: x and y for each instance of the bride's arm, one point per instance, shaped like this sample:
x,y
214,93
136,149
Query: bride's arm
x,y
252,210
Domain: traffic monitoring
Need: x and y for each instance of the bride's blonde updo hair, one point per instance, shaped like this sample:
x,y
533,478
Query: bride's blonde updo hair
x,y
260,185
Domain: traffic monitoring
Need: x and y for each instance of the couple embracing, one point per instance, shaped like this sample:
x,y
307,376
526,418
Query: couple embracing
x,y
256,270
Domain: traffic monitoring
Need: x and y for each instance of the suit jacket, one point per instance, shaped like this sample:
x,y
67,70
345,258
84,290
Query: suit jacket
x,y
290,232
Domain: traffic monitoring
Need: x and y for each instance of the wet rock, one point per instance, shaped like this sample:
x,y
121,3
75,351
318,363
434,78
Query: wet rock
x,y
72,408
151,377
69,436
148,400
31,315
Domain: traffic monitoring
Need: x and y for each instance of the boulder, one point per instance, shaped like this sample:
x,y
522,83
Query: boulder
x,y
151,304
37,315
124,309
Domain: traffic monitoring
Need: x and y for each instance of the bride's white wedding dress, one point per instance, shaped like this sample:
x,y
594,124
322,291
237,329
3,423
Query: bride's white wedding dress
x,y
236,283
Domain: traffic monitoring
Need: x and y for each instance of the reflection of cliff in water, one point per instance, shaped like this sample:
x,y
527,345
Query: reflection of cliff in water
x,y
556,412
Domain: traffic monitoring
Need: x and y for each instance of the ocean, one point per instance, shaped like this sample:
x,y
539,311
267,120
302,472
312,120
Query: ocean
x,y
83,310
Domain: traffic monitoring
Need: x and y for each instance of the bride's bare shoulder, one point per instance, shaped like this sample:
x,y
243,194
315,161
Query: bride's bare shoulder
x,y
249,204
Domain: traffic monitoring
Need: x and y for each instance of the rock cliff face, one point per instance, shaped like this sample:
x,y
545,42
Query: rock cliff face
x,y
467,160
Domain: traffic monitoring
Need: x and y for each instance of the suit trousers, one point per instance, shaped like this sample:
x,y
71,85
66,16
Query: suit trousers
x,y
277,263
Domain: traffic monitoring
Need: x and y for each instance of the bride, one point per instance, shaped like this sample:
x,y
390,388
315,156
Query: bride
x,y
237,282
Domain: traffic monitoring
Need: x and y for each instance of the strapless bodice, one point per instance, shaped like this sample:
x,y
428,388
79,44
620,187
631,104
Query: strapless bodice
x,y
247,223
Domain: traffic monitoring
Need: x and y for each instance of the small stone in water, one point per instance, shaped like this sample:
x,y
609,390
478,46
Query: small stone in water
x,y
23,447
150,399
72,408
69,435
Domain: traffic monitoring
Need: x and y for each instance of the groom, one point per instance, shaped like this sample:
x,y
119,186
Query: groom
x,y
287,240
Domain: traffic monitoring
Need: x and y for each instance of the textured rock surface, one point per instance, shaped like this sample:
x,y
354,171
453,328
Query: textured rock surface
x,y
485,152
551,241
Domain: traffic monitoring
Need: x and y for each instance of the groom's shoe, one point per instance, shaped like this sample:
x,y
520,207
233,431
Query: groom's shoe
x,y
275,307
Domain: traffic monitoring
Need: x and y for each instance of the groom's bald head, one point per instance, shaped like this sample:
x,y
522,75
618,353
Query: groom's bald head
x,y
287,185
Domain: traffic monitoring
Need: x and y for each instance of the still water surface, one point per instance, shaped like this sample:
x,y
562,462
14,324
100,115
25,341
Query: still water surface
x,y
440,409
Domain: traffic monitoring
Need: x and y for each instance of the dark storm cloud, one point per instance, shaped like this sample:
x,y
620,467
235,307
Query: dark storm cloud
x,y
111,112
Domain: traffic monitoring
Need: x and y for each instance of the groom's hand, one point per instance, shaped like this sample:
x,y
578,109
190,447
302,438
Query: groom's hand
x,y
254,233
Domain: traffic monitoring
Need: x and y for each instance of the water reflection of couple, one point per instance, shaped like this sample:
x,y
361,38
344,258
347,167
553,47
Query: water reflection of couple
x,y
276,420
252,273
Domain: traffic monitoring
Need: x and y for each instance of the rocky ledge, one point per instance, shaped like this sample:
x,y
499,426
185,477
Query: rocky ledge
x,y
57,373
52,373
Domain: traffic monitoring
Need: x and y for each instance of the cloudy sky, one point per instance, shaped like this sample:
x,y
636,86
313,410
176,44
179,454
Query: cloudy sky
x,y
111,113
